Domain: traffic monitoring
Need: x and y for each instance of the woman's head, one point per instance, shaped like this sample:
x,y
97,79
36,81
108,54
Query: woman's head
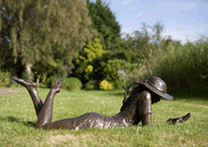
x,y
157,86
136,90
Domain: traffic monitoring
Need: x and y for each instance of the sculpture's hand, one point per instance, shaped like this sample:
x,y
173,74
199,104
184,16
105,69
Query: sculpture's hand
x,y
179,119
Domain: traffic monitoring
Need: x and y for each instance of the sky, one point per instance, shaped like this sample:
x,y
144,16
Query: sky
x,y
184,20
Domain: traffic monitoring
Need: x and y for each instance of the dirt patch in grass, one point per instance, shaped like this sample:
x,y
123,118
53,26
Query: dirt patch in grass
x,y
9,91
75,140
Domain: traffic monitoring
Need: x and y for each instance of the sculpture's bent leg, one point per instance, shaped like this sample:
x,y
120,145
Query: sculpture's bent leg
x,y
45,115
145,111
181,119
32,89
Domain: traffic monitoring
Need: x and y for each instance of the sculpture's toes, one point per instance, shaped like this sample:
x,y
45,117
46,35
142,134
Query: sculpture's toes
x,y
58,84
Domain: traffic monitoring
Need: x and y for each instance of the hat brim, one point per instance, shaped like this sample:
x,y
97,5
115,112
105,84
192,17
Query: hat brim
x,y
153,89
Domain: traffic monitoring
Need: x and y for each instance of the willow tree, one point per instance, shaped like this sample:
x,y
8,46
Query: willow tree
x,y
47,33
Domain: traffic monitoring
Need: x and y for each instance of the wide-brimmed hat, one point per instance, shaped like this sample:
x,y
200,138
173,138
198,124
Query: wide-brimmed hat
x,y
158,86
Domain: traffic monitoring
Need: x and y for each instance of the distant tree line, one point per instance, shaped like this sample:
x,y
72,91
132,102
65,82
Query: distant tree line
x,y
41,40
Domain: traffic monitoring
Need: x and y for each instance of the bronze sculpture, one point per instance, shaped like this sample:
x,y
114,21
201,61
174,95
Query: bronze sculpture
x,y
136,108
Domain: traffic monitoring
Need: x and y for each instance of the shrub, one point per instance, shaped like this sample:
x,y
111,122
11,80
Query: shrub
x,y
105,85
184,66
91,85
72,83
48,82
127,55
83,63
118,72
4,79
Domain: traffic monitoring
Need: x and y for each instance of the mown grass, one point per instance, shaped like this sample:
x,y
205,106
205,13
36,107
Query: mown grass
x,y
17,119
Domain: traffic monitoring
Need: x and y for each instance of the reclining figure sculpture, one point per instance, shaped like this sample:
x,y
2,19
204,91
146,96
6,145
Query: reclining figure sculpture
x,y
136,108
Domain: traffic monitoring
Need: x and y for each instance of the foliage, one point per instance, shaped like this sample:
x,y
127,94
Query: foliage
x,y
83,63
105,85
4,79
101,68
181,66
91,51
104,22
48,33
71,83
18,118
118,71
142,40
46,81
43,36
91,85
184,66
123,54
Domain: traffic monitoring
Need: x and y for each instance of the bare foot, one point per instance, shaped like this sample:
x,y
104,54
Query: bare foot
x,y
57,85
24,83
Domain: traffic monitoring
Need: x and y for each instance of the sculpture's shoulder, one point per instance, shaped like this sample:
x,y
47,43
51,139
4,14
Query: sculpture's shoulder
x,y
140,93
145,93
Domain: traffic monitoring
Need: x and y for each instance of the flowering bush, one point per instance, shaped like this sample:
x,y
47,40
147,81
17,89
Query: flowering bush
x,y
105,85
84,67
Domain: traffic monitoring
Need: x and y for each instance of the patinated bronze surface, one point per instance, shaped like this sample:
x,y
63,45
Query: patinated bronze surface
x,y
136,108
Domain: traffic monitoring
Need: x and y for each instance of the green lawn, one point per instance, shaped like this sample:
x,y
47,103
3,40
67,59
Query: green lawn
x,y
17,119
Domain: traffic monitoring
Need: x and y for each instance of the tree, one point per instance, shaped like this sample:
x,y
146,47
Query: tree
x,y
83,63
141,41
104,21
157,32
47,33
92,50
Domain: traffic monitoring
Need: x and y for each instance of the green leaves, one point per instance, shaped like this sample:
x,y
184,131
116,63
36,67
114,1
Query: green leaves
x,y
118,71
104,22
40,27
91,51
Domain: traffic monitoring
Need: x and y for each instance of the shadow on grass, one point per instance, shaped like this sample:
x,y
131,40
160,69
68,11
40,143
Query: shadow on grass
x,y
189,93
17,120
120,93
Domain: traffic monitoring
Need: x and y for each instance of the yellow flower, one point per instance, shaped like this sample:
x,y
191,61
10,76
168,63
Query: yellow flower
x,y
89,69
105,85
